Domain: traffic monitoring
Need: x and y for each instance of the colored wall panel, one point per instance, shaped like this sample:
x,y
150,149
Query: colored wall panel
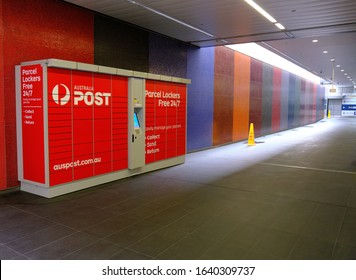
x,y
241,96
167,57
120,45
303,103
3,176
284,100
200,98
314,96
36,30
276,99
267,94
255,114
223,95
291,101
297,102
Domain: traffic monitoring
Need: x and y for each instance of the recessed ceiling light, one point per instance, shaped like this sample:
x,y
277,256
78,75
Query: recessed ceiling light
x,y
342,70
325,51
338,65
332,59
315,41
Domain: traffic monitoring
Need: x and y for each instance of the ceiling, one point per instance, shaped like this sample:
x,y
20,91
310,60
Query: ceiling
x,y
218,22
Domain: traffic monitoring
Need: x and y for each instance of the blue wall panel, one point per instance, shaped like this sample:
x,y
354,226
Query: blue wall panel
x,y
200,98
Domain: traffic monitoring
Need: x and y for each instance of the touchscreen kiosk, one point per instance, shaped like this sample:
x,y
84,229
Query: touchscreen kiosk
x,y
136,122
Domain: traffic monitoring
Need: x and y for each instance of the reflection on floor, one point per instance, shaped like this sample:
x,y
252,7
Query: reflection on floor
x,y
292,196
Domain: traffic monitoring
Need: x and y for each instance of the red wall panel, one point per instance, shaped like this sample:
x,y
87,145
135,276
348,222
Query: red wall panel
x,y
223,95
2,110
36,30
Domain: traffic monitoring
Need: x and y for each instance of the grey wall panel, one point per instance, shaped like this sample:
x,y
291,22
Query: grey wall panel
x,y
284,100
267,95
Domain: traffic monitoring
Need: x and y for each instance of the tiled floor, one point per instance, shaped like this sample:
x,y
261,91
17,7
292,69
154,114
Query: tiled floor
x,y
292,196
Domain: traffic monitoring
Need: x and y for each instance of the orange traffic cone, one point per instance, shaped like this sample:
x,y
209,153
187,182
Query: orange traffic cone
x,y
251,136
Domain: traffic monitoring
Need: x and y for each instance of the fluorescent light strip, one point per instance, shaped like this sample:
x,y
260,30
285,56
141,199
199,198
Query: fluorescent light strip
x,y
261,11
280,26
256,51
170,18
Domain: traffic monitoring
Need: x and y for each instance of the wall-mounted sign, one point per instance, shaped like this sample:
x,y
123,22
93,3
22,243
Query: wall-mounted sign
x,y
32,123
348,107
165,120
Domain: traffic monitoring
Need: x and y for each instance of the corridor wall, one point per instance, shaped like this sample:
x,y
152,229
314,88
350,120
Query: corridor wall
x,y
246,91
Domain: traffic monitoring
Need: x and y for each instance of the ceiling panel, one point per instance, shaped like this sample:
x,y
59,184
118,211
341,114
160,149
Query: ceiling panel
x,y
215,22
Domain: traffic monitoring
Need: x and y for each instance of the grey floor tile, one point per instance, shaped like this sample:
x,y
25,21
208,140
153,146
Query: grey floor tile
x,y
23,230
352,199
274,243
83,218
328,212
190,222
245,235
348,234
7,253
128,205
323,230
350,215
127,254
99,250
292,221
223,250
111,226
168,215
13,217
62,247
147,210
256,255
157,242
133,233
189,248
41,238
343,252
308,248
51,207
216,228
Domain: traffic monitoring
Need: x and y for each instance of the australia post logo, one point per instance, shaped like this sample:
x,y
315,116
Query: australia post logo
x,y
81,94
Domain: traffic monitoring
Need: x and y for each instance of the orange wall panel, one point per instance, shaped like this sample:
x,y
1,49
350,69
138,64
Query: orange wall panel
x,y
241,96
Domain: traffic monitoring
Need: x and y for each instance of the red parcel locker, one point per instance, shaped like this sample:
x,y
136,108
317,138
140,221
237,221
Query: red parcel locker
x,y
76,128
